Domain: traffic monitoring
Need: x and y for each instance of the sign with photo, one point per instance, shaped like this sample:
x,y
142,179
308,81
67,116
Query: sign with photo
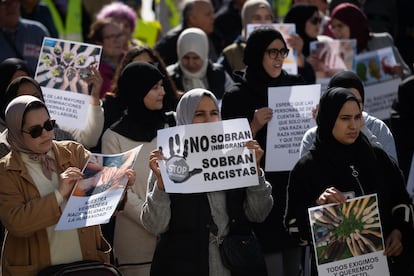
x,y
348,238
62,70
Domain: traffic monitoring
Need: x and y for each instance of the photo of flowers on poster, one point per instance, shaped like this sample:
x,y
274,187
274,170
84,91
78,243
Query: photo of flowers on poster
x,y
349,236
65,65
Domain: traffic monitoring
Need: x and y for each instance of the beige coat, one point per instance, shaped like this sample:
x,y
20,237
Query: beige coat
x,y
26,215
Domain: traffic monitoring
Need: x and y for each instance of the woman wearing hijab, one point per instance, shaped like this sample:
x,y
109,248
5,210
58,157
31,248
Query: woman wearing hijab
x,y
342,162
264,55
188,225
349,21
10,69
143,97
194,69
37,178
374,129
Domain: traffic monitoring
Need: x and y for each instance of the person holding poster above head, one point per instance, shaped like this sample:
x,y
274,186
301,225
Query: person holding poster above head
x,y
189,226
37,178
264,55
349,21
344,164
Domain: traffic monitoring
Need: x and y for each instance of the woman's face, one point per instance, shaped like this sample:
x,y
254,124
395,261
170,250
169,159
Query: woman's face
x,y
153,99
114,40
340,29
192,62
348,123
43,143
273,66
261,16
206,111
312,25
28,88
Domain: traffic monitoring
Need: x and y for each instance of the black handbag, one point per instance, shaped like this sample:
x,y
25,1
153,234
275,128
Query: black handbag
x,y
81,268
240,250
242,255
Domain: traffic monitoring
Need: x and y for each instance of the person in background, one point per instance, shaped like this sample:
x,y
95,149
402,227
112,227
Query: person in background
x,y
343,162
110,35
185,245
125,16
114,109
197,14
374,129
20,38
194,69
143,97
88,136
37,178
253,12
264,56
10,69
38,11
228,22
349,21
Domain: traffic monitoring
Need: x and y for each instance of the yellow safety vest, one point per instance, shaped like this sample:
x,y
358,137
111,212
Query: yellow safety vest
x,y
147,31
281,8
72,29
172,5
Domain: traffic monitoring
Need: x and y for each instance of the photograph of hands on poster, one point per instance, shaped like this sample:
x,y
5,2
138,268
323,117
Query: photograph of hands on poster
x,y
65,65
342,231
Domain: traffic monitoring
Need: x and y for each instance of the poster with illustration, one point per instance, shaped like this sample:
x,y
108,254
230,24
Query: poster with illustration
x,y
292,116
376,66
207,157
287,30
62,70
348,238
94,198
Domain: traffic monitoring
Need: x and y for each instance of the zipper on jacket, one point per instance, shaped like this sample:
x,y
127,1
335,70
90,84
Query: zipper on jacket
x,y
355,175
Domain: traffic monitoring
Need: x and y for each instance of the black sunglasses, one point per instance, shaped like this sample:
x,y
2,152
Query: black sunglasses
x,y
36,131
316,20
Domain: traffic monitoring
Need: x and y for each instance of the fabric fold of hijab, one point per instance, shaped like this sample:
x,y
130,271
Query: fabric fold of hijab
x,y
188,104
134,83
14,121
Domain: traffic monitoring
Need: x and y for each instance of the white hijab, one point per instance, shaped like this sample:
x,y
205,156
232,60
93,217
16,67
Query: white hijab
x,y
193,40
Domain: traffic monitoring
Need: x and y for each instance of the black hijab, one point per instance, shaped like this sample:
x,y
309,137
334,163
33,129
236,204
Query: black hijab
x,y
360,153
298,15
348,79
134,83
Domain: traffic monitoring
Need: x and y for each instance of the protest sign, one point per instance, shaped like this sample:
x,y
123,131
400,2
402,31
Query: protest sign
x,y
207,157
62,69
94,199
292,116
348,238
287,30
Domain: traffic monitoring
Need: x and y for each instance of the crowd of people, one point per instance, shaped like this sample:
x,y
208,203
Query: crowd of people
x,y
205,67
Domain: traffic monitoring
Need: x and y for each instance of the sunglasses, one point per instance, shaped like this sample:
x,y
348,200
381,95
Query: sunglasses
x,y
36,131
315,20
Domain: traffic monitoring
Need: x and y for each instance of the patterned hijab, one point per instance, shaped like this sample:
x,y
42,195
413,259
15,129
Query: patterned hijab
x,y
188,104
15,112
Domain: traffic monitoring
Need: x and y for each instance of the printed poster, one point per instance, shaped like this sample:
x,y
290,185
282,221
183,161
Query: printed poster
x,y
94,199
290,63
62,69
207,157
292,117
348,238
329,57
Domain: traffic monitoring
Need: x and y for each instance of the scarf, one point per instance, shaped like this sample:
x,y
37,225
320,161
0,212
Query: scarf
x,y
48,164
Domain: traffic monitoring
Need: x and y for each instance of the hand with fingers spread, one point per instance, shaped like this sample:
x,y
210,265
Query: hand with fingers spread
x,y
68,179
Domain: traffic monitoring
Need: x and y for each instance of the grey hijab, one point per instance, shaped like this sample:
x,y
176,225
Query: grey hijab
x,y
188,104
